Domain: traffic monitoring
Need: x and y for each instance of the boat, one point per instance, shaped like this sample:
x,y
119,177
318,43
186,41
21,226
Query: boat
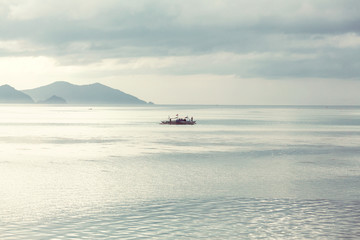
x,y
179,121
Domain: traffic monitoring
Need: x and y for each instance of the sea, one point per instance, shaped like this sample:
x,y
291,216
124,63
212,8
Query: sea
x,y
242,172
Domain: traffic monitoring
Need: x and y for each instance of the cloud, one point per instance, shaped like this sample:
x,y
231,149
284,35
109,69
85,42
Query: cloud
x,y
279,39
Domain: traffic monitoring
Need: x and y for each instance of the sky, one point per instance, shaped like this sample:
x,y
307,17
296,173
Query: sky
x,y
287,52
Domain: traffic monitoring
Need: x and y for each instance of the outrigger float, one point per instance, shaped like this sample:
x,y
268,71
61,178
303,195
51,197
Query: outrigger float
x,y
179,121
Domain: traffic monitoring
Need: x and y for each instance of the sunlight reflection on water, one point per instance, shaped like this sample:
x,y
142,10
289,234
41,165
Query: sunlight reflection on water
x,y
114,172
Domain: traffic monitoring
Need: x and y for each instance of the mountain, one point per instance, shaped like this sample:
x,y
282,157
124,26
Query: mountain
x,y
54,100
83,94
9,94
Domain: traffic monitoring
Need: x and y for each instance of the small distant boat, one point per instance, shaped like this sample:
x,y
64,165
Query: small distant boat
x,y
179,121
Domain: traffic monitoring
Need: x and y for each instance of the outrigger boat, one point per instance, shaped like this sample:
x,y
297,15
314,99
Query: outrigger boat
x,y
179,121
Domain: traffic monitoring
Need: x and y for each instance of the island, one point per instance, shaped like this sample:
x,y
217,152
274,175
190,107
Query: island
x,y
53,100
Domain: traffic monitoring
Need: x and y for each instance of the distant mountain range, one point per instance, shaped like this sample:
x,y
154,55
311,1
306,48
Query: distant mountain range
x,y
64,92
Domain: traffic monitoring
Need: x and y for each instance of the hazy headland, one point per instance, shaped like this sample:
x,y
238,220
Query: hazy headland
x,y
64,92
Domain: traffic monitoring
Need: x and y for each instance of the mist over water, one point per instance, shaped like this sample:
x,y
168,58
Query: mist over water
x,y
241,172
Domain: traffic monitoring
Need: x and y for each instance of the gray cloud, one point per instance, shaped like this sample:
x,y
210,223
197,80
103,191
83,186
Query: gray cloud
x,y
324,33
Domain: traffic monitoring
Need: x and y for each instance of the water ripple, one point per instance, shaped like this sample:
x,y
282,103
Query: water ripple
x,y
225,218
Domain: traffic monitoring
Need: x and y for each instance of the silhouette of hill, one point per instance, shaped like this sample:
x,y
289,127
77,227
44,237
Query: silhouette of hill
x,y
83,94
9,94
54,100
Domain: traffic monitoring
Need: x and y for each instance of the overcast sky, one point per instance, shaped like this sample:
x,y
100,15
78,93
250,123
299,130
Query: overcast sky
x,y
188,51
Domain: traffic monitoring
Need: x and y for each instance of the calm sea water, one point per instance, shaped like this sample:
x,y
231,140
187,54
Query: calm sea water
x,y
243,172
